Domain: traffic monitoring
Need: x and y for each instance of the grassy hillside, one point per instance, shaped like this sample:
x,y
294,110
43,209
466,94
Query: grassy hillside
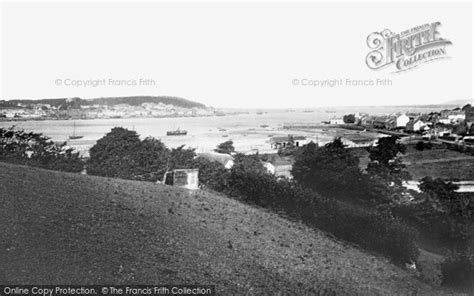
x,y
60,228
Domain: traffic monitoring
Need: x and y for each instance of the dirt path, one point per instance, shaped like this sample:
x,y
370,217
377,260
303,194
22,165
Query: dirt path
x,y
61,228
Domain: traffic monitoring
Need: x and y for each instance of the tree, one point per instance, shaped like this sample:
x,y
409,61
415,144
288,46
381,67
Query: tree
x,y
121,154
152,159
244,172
466,107
349,118
34,149
181,157
442,201
387,150
330,170
460,129
442,206
212,174
226,147
386,165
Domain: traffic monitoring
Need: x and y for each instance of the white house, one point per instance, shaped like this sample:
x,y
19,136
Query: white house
x,y
284,141
457,117
269,167
402,120
336,121
419,126
444,120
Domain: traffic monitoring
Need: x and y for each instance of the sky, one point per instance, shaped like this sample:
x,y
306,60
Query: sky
x,y
241,55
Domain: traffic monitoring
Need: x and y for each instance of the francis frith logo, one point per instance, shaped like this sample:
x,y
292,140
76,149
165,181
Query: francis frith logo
x,y
406,50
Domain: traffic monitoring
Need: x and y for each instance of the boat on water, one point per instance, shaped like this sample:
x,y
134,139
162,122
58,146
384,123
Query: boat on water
x,y
177,132
330,111
222,129
74,136
264,125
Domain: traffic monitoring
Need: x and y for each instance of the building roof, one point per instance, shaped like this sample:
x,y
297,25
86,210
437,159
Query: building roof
x,y
214,156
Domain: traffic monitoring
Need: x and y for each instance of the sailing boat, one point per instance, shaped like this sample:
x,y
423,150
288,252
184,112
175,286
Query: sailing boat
x,y
74,136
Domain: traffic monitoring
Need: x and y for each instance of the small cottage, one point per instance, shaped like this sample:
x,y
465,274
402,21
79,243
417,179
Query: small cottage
x,y
186,178
285,141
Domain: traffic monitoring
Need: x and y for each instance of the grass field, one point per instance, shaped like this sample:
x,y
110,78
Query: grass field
x,y
60,228
437,163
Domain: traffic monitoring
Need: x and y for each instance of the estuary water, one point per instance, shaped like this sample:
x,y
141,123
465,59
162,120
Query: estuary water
x,y
250,132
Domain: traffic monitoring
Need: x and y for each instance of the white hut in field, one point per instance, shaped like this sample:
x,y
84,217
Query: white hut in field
x,y
186,178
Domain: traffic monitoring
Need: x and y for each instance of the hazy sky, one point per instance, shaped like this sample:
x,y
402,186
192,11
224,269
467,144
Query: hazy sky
x,y
227,54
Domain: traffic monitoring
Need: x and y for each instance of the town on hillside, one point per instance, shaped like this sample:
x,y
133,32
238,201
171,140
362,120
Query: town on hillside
x,y
103,108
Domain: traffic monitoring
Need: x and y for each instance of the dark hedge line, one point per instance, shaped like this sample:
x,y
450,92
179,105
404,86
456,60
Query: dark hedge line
x,y
368,229
34,149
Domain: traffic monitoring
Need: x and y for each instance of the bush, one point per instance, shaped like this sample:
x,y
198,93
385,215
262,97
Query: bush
x,y
430,272
420,146
368,229
226,147
212,174
458,270
34,149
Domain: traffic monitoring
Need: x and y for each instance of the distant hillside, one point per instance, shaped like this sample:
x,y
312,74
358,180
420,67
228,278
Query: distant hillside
x,y
134,101
69,228
458,102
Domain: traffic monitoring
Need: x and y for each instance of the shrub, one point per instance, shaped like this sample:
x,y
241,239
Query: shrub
x,y
420,146
430,272
212,174
369,229
34,149
458,269
226,147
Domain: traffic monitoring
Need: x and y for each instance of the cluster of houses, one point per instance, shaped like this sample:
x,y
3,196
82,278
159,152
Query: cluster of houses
x,y
47,111
434,122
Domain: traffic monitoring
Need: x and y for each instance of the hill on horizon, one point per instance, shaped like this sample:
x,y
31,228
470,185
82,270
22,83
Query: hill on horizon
x,y
111,101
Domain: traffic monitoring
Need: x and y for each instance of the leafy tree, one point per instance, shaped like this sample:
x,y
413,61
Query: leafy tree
x,y
121,154
226,147
34,149
112,155
181,157
245,168
212,174
349,118
466,107
152,159
386,165
442,202
460,129
454,213
330,170
386,150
